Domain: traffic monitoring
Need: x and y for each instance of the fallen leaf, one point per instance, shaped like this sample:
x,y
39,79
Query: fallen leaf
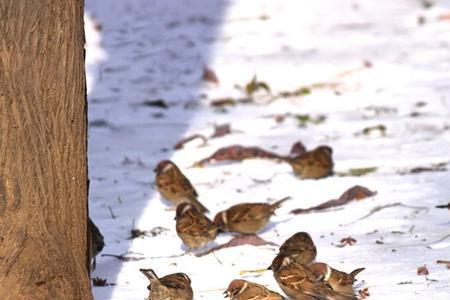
x,y
160,103
347,241
123,257
254,85
301,91
97,281
239,240
221,130
135,233
186,140
354,193
356,172
237,153
439,167
445,262
364,293
305,119
210,75
369,130
223,102
447,206
422,270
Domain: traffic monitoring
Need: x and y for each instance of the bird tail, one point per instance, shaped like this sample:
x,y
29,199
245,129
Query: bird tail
x,y
150,274
276,205
356,272
200,207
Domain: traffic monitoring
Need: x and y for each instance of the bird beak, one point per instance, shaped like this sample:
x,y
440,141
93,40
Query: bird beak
x,y
226,295
269,268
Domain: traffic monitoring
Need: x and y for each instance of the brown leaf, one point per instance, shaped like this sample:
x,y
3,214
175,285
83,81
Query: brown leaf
x,y
97,281
347,241
445,262
254,85
239,240
156,103
364,293
354,193
186,140
447,206
422,270
221,130
237,153
210,75
223,102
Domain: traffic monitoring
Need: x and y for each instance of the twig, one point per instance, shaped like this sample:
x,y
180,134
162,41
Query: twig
x,y
379,208
214,254
112,214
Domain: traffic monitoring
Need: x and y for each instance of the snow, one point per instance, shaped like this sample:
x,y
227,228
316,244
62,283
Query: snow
x,y
146,50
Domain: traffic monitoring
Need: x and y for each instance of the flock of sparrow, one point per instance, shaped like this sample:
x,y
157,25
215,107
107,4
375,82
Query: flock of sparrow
x,y
294,267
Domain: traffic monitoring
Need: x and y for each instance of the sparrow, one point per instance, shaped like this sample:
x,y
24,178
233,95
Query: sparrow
x,y
245,290
340,281
193,227
299,247
313,164
299,282
96,241
174,186
175,286
246,218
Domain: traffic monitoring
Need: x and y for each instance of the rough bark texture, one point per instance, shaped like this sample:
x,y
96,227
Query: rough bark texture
x,y
43,160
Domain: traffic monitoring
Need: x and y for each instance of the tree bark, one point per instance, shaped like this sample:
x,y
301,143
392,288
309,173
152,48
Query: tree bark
x,y
43,158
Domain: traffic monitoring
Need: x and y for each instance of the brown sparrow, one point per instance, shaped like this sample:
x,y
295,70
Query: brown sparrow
x,y
300,247
245,290
247,218
96,241
174,186
340,281
175,286
193,227
300,283
313,164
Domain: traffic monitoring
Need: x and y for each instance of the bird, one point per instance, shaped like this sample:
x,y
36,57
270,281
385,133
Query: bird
x,y
239,289
299,282
97,242
340,281
314,164
193,227
246,218
176,286
174,186
300,247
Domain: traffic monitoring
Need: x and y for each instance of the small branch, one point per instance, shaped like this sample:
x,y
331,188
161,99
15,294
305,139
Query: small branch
x,y
379,208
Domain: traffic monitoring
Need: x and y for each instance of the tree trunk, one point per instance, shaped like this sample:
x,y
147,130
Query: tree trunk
x,y
43,143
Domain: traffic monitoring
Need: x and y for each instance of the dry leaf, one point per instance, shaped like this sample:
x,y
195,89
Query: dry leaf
x,y
445,262
210,75
447,206
364,293
347,241
239,240
354,193
156,103
186,140
97,281
254,85
221,130
422,270
237,153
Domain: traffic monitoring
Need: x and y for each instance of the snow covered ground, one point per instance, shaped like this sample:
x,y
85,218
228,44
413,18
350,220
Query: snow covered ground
x,y
367,63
